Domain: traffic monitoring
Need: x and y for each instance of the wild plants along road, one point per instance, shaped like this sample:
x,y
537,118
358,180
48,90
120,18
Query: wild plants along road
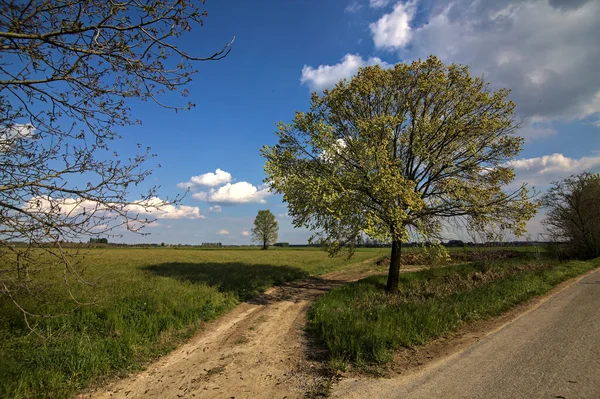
x,y
552,351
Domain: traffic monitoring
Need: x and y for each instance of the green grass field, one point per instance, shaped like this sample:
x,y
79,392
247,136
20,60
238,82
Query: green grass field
x,y
146,301
361,324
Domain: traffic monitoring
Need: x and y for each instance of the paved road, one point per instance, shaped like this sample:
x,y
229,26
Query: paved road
x,y
551,352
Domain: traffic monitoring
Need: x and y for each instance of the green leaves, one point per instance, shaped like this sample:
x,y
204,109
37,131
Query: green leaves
x,y
265,228
396,149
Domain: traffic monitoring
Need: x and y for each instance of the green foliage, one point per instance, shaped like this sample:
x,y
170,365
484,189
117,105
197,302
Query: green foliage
x,y
358,322
265,228
145,302
395,151
573,215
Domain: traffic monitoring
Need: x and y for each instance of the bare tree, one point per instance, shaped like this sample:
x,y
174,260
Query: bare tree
x,y
573,214
69,70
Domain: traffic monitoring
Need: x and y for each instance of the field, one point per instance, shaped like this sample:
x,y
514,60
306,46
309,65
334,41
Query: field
x,y
145,302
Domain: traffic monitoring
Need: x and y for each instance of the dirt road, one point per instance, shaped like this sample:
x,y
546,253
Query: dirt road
x,y
553,351
258,350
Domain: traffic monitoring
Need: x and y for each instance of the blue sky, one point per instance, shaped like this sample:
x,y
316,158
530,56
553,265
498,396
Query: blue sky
x,y
545,51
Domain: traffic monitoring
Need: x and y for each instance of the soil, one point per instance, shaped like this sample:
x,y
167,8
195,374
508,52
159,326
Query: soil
x,y
258,350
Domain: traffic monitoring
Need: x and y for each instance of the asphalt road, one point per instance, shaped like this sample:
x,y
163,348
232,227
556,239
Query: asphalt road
x,y
551,352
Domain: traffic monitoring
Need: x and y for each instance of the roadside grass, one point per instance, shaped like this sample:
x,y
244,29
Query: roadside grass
x,y
359,323
145,303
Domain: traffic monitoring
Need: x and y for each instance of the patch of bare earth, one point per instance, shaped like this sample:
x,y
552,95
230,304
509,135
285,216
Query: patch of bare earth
x,y
258,350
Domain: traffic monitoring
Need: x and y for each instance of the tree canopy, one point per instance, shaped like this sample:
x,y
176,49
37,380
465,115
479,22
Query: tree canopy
x,y
394,152
265,228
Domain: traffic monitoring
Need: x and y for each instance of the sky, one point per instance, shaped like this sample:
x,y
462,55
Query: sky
x,y
545,51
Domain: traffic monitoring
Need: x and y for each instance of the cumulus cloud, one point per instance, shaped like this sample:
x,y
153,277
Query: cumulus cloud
x,y
63,206
222,232
392,31
152,208
543,170
245,233
236,193
546,52
326,76
209,179
215,208
160,209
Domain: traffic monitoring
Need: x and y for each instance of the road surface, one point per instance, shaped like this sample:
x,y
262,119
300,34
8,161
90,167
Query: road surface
x,y
551,352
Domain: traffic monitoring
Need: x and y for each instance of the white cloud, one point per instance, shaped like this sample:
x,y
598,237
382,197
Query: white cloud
x,y
209,179
215,208
392,31
245,233
379,3
326,76
64,206
160,209
546,52
543,170
151,208
236,193
222,232
11,134
352,7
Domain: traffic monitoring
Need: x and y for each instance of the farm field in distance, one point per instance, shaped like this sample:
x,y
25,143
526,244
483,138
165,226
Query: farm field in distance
x,y
145,302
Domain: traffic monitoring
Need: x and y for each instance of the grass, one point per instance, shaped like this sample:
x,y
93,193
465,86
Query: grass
x,y
359,323
146,301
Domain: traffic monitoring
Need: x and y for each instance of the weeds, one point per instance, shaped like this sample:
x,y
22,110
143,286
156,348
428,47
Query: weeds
x,y
360,323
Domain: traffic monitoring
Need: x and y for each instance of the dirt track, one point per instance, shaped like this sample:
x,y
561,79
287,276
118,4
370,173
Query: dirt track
x,y
258,350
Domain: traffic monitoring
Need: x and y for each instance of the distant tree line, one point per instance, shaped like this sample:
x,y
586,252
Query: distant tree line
x,y
98,240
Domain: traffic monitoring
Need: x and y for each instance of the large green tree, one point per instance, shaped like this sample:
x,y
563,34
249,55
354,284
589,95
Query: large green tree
x,y
265,228
394,152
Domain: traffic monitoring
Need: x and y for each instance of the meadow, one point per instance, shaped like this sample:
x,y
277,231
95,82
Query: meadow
x,y
140,304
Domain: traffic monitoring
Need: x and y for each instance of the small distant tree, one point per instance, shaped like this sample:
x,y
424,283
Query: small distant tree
x,y
265,228
394,152
573,214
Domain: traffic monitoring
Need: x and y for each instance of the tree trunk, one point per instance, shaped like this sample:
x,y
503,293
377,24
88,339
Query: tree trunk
x,y
394,271
264,245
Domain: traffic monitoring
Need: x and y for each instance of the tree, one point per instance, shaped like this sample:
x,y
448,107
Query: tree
x,y
394,152
265,228
69,72
573,213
